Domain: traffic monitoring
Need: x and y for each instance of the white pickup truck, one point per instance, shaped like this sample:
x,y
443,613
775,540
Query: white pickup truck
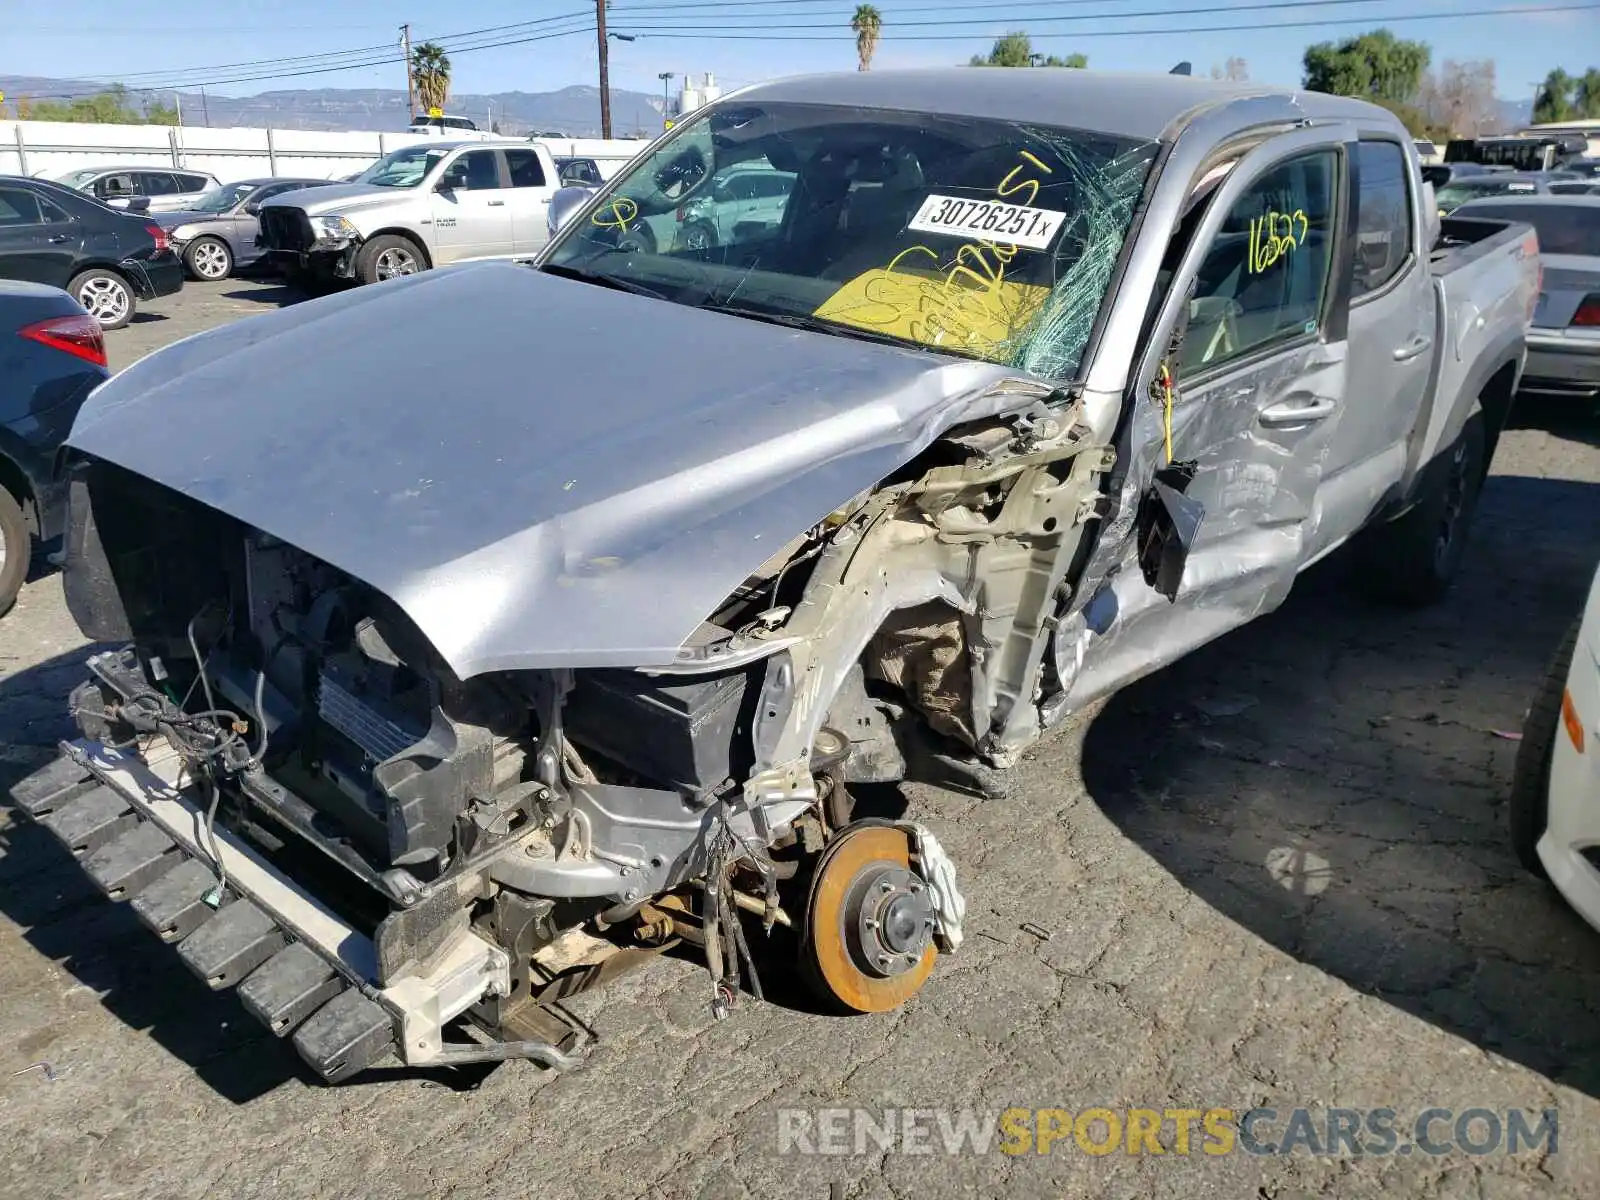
x,y
421,206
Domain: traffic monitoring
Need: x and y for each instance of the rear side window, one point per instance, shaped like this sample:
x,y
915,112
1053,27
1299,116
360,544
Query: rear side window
x,y
1562,228
190,183
525,168
18,207
158,183
1265,276
1383,217
113,186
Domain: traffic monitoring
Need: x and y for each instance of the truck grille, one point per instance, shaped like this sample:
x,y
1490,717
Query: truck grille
x,y
285,228
379,737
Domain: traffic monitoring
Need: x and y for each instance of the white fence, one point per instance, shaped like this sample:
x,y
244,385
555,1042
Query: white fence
x,y
52,147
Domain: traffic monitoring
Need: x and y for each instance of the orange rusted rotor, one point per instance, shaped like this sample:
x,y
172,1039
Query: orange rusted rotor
x,y
862,875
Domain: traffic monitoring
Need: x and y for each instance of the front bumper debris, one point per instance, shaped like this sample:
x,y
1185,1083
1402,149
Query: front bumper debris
x,y
138,829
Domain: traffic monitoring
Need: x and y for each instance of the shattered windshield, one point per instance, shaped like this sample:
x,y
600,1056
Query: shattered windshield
x,y
403,168
984,238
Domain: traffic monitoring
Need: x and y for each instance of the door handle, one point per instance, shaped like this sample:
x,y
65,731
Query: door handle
x,y
497,204
59,238
1298,412
1413,348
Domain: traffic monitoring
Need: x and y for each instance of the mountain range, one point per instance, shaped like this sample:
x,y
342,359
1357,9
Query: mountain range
x,y
574,111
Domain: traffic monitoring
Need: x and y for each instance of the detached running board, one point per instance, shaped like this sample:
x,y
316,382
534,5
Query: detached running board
x,y
301,969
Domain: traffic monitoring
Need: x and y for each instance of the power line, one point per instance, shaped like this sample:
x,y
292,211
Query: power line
x,y
711,32
1273,6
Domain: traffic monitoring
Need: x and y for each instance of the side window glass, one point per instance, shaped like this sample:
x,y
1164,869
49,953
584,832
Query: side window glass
x,y
157,183
476,171
1383,217
114,186
190,183
17,207
525,169
1265,276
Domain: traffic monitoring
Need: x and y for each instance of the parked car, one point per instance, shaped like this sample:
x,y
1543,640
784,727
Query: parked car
x,y
1503,183
141,189
218,235
1564,342
52,355
579,172
443,125
108,260
1441,174
1575,187
1044,379
421,206
1555,791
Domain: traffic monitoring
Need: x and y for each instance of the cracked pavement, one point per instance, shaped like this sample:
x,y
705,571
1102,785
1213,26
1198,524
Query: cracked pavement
x,y
1274,874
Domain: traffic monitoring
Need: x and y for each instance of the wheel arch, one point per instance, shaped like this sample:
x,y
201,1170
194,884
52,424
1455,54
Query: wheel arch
x,y
411,235
15,481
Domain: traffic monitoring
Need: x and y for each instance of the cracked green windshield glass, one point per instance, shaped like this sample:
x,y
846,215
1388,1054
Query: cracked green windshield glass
x,y
983,238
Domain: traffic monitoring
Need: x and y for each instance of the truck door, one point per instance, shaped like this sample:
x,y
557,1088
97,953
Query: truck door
x,y
529,197
1392,317
1258,383
471,217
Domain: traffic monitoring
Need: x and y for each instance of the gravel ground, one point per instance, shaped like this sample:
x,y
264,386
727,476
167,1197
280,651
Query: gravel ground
x,y
1274,875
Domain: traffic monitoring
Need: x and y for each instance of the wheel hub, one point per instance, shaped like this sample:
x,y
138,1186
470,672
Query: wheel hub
x,y
870,920
893,921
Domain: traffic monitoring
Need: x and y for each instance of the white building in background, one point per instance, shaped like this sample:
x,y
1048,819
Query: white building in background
x,y
691,96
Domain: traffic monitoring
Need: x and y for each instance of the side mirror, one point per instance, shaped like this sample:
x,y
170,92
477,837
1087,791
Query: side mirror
x,y
565,203
446,183
252,208
139,204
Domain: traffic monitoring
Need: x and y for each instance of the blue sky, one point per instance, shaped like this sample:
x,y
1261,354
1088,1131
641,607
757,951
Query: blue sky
x,y
111,39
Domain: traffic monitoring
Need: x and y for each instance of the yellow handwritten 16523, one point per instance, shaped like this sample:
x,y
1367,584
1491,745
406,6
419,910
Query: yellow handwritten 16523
x,y
1273,235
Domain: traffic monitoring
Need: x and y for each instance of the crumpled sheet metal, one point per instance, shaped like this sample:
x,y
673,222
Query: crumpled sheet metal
x,y
530,509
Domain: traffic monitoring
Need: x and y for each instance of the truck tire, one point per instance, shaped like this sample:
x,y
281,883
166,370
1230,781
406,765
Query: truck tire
x,y
106,295
1529,806
1414,559
389,257
16,550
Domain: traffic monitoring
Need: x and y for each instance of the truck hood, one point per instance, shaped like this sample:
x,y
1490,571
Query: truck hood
x,y
540,472
341,197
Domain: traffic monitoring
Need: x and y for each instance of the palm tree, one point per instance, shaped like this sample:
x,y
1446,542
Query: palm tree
x,y
430,68
867,24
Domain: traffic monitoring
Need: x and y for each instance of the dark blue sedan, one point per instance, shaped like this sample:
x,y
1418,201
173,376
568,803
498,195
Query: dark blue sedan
x,y
52,355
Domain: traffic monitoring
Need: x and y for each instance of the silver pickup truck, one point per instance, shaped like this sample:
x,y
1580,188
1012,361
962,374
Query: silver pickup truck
x,y
451,688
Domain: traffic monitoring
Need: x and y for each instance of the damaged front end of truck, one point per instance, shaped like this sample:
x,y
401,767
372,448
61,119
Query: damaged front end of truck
x,y
449,690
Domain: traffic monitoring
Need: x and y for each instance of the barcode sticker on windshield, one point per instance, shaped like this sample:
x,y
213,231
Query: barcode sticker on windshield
x,y
988,220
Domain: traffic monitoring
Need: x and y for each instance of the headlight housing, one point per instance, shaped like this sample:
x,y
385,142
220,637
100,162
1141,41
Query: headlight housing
x,y
333,227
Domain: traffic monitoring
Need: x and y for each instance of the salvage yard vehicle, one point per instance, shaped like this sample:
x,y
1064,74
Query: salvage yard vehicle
x,y
438,669
1564,342
421,206
141,188
107,260
52,355
1555,792
218,235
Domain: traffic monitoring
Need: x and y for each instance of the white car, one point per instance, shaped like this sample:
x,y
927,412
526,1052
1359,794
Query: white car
x,y
1555,795
142,189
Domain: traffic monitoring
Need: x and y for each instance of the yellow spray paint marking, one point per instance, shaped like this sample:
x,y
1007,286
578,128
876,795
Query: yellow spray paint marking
x,y
1274,236
961,303
617,214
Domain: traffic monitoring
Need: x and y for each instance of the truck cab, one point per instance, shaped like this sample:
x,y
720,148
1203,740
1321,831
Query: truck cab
x,y
424,205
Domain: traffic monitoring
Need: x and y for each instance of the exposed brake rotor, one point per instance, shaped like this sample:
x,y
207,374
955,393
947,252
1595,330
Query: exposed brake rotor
x,y
870,921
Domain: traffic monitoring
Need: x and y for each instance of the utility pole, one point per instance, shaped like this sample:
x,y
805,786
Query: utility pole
x,y
605,68
411,87
666,104
205,109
